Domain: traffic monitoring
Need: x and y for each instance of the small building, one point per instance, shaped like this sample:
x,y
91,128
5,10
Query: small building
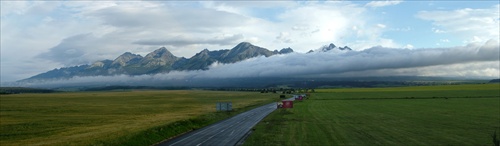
x,y
287,104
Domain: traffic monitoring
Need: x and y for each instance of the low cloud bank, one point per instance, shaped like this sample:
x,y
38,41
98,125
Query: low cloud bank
x,y
376,58
473,60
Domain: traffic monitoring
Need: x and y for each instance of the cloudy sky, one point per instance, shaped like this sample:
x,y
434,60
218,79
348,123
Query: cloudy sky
x,y
37,36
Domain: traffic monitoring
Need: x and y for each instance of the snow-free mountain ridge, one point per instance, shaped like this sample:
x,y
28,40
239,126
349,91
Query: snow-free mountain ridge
x,y
163,61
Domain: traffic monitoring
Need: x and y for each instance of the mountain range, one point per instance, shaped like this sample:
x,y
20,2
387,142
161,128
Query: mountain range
x,y
163,61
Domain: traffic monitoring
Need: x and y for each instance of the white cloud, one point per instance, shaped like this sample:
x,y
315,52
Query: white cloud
x,y
82,49
435,30
181,41
471,25
284,37
316,24
408,46
224,7
16,7
383,3
405,29
28,29
308,25
381,25
471,69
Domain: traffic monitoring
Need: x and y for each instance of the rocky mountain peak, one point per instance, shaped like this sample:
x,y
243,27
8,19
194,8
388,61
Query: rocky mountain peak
x,y
328,47
244,50
204,52
159,57
332,46
160,53
243,44
345,48
126,58
286,50
100,64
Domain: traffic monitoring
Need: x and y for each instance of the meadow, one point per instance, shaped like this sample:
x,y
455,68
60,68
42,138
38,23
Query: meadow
x,y
140,117
421,115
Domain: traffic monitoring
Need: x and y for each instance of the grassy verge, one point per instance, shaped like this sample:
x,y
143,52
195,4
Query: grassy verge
x,y
462,115
113,118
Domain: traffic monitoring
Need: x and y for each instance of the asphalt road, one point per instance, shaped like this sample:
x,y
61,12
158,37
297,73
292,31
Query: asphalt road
x,y
224,133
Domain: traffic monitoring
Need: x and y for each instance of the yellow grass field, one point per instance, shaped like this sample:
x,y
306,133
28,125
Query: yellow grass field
x,y
89,118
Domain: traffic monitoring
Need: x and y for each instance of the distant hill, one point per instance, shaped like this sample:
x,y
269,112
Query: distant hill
x,y
495,81
116,87
18,90
158,61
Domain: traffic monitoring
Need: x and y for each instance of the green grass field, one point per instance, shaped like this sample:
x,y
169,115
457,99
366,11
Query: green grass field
x,y
113,118
424,115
